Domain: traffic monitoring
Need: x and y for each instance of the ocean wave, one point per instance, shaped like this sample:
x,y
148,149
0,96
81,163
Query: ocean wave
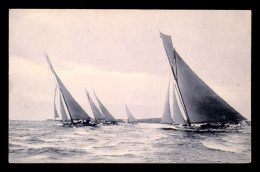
x,y
55,150
222,146
130,143
34,140
120,154
14,145
145,143
15,150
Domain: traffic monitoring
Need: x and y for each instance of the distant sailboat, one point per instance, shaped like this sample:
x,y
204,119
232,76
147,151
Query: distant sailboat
x,y
76,113
130,117
109,119
196,102
97,114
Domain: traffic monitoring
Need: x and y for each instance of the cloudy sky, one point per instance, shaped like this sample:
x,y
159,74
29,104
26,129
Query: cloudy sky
x,y
119,54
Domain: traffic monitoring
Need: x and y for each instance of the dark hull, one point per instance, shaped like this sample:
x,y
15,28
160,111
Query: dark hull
x,y
208,127
78,124
110,123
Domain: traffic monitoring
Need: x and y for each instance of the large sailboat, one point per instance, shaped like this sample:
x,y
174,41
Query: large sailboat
x,y
130,117
77,115
109,119
195,103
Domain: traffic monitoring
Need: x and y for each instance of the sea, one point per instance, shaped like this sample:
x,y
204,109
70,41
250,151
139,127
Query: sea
x,y
50,142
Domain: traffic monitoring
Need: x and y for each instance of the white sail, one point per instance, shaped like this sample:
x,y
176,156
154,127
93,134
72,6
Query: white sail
x,y
178,114
166,118
105,112
131,118
63,112
97,114
55,109
75,110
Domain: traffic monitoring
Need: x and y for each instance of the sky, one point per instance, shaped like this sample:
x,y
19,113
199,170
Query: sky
x,y
119,54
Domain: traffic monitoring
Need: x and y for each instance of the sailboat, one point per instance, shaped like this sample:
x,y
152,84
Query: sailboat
x,y
76,113
99,118
196,103
130,117
109,119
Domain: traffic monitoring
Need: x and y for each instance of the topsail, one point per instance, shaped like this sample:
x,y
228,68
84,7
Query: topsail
x,y
200,103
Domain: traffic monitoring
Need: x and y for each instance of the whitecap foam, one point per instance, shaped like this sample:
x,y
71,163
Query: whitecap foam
x,y
227,147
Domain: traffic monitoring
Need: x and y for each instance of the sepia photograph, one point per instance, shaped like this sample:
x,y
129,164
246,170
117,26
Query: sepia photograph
x,y
129,86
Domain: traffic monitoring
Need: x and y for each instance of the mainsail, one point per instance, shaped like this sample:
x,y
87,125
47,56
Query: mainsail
x,y
166,118
75,110
97,114
131,118
105,112
201,103
55,109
